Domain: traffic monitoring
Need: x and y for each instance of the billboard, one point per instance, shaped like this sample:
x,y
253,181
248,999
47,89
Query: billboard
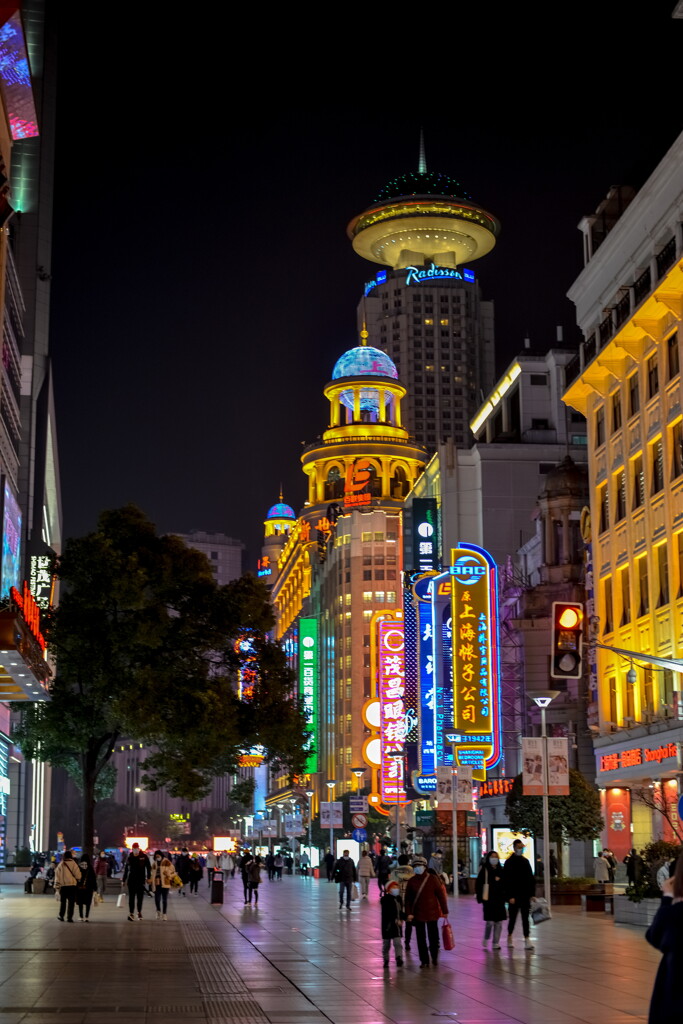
x,y
393,719
11,542
532,765
558,765
331,814
504,837
308,683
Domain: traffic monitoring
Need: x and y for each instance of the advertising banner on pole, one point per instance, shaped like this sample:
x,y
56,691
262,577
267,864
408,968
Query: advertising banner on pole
x,y
464,788
444,787
331,814
293,825
264,827
558,766
532,765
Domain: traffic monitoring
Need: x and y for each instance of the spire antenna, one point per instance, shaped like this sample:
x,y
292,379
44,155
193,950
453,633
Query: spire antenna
x,y
422,162
280,492
364,334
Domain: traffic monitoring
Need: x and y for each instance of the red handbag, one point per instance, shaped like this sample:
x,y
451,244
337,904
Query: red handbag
x,y
447,936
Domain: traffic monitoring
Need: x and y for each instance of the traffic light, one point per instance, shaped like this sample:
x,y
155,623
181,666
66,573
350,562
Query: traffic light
x,y
566,657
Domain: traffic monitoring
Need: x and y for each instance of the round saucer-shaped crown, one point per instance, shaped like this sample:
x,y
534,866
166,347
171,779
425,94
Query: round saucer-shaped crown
x,y
281,511
422,183
362,361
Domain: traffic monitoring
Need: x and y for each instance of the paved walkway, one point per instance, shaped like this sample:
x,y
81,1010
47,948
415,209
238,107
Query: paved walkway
x,y
299,960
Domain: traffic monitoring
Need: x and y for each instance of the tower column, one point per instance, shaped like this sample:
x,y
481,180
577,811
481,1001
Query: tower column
x,y
565,537
549,554
382,406
397,411
335,411
356,405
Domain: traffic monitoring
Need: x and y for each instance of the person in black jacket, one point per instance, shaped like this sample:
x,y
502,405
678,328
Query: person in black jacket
x,y
490,890
86,887
666,934
136,874
520,886
182,866
345,873
391,906
329,865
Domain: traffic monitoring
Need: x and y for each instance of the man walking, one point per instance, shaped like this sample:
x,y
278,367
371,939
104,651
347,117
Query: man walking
x,y
136,874
329,865
520,886
345,873
210,865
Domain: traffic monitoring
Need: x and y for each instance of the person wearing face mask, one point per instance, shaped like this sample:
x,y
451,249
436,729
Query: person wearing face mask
x,y
491,894
520,886
86,887
345,874
426,902
391,906
102,872
135,875
162,875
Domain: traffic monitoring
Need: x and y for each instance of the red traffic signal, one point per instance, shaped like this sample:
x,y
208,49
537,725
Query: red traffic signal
x,y
566,654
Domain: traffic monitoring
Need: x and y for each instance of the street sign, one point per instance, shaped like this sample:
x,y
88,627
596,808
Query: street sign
x,y
360,835
358,804
359,820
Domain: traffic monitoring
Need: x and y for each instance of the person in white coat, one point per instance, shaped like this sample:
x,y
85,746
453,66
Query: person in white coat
x,y
211,865
601,868
365,872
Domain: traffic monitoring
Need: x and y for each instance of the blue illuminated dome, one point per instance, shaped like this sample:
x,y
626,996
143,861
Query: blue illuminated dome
x,y
281,511
364,361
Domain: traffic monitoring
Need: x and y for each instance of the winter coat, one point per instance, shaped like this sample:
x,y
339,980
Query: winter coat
x,y
211,860
254,874
382,866
345,871
225,862
365,868
666,934
137,869
101,866
436,863
634,867
601,869
88,880
196,870
494,906
392,910
518,878
428,902
329,860
182,866
162,874
67,873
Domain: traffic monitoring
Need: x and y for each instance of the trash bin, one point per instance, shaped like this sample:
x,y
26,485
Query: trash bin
x,y
217,887
316,872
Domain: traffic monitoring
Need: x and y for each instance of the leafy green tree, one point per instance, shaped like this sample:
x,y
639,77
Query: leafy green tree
x,y
145,645
577,816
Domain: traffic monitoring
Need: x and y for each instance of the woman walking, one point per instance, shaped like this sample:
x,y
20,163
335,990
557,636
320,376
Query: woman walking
x,y
86,887
67,877
491,894
163,874
196,874
666,934
425,903
245,861
365,872
254,874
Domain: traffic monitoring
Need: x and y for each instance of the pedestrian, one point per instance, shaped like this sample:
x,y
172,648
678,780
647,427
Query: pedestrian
x,y
520,886
254,877
401,874
611,863
226,863
278,864
196,874
304,861
634,867
270,866
211,860
329,865
86,887
365,873
426,902
600,868
436,862
666,934
102,872
245,861
540,868
67,877
392,911
162,875
136,874
490,890
345,874
289,864
382,869
182,867
555,867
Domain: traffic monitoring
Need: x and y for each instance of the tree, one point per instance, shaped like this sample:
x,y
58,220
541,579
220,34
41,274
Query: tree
x,y
577,816
653,799
145,645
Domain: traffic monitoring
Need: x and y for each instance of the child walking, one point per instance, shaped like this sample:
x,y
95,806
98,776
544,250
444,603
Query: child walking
x,y
391,906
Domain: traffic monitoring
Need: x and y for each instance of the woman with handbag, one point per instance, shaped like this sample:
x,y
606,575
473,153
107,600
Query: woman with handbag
x,y
426,902
86,887
162,878
67,877
490,892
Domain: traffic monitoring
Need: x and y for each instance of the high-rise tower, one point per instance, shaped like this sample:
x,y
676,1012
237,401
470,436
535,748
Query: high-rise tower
x,y
424,307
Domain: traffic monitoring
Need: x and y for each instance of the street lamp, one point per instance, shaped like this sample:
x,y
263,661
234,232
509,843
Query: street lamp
x,y
331,783
397,756
359,773
310,793
138,789
542,698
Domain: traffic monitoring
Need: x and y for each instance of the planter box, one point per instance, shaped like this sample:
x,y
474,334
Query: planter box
x,y
639,914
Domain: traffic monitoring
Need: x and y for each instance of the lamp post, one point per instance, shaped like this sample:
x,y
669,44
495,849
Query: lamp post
x,y
309,794
359,773
542,698
454,824
331,783
138,789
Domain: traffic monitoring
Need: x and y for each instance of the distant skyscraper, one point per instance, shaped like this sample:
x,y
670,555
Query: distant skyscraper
x,y
224,553
424,307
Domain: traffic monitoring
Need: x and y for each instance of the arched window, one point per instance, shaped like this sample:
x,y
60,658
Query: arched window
x,y
334,485
399,483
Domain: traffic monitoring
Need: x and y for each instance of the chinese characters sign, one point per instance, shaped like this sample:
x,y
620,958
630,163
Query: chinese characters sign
x,y
40,580
358,483
391,689
635,756
308,681
425,534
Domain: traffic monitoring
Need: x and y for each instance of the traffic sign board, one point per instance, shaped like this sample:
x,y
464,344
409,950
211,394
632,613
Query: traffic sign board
x,y
359,820
359,834
358,804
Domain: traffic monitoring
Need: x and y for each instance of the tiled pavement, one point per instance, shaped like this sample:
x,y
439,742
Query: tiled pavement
x,y
299,960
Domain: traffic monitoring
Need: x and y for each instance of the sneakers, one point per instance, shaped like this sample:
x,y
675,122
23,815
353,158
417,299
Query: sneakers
x,y
163,917
528,944
496,945
511,941
59,918
484,943
130,917
158,915
139,916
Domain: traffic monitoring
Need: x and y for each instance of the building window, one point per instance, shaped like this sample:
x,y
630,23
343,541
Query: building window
x,y
379,574
367,574
652,376
538,379
643,594
673,358
657,466
347,599
379,596
633,395
668,688
620,496
367,595
612,709
607,605
603,504
677,450
599,427
625,597
663,575
380,537
365,537
391,596
649,687
616,411
638,482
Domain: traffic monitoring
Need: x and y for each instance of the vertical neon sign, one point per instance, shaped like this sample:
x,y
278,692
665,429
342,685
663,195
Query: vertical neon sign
x,y
308,682
393,724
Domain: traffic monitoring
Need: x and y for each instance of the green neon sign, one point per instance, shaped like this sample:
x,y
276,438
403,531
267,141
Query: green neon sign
x,y
309,671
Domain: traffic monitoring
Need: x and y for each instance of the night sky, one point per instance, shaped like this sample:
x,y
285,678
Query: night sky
x,y
203,284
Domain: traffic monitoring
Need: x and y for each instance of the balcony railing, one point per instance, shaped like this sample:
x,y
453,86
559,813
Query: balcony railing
x,y
642,286
666,257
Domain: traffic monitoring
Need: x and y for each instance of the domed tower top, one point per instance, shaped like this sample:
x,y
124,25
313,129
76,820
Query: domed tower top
x,y
422,217
279,519
566,480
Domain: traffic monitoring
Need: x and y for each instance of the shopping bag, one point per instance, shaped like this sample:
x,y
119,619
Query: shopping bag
x,y
354,891
540,911
120,899
447,935
485,892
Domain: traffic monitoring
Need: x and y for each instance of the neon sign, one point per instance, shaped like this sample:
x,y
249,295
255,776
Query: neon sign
x,y
357,483
41,581
264,567
248,674
26,603
425,534
308,682
635,756
418,275
393,723
379,279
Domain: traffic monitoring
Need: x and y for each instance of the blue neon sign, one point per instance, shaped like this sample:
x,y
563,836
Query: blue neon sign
x,y
422,275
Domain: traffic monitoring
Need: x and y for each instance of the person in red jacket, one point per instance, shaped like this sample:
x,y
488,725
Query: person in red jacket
x,y
426,902
101,872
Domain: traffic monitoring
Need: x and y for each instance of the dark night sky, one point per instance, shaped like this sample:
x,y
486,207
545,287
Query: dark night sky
x,y
203,284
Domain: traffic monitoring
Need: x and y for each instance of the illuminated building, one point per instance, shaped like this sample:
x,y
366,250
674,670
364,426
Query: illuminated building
x,y
341,562
279,522
626,381
424,307
225,554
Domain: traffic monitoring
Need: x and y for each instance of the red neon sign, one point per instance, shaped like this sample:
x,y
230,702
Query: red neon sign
x,y
26,603
635,756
